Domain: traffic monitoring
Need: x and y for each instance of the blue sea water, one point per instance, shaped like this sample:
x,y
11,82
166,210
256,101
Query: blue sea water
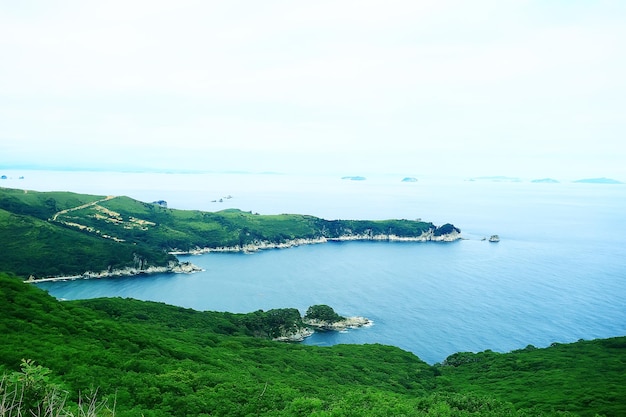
x,y
557,275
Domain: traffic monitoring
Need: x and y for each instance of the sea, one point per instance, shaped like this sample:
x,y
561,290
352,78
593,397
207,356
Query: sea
x,y
557,275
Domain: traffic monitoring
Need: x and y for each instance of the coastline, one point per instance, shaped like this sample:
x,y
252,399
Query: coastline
x,y
188,267
172,268
324,326
263,245
341,325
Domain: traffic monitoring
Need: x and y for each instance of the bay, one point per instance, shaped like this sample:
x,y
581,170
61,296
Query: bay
x,y
557,275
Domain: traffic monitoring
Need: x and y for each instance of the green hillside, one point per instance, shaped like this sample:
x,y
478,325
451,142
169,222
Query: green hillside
x,y
154,359
46,234
586,377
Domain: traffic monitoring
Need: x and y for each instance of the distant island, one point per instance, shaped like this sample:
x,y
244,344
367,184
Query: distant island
x,y
409,179
354,178
546,181
598,181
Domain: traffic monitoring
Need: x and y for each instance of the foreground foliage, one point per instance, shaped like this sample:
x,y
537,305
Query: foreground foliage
x,y
31,392
154,359
47,234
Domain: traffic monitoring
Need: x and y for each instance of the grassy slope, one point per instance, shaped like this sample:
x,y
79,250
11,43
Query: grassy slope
x,y
186,229
31,246
165,360
39,204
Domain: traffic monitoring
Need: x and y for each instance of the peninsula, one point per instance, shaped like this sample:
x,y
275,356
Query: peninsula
x,y
63,235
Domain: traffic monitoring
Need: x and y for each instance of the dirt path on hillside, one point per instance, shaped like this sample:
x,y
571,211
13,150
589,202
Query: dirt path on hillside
x,y
93,203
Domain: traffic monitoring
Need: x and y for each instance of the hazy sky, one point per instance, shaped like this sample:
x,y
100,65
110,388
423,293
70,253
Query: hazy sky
x,y
519,88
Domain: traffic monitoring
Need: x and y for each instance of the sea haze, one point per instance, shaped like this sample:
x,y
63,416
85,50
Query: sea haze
x,y
557,275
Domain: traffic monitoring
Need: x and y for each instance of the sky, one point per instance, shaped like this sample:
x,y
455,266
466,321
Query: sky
x,y
470,88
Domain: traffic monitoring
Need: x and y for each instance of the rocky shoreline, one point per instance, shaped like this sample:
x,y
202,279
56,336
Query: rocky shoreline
x,y
324,326
171,268
297,336
256,246
341,325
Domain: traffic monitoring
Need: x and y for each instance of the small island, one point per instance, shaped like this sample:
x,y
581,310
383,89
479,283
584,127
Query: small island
x,y
409,179
545,181
354,178
598,181
286,325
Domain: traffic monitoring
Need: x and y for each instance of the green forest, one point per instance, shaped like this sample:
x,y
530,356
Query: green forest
x,y
124,357
153,359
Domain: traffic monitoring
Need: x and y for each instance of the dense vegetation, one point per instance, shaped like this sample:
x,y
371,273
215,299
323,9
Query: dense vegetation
x,y
154,359
97,233
585,377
